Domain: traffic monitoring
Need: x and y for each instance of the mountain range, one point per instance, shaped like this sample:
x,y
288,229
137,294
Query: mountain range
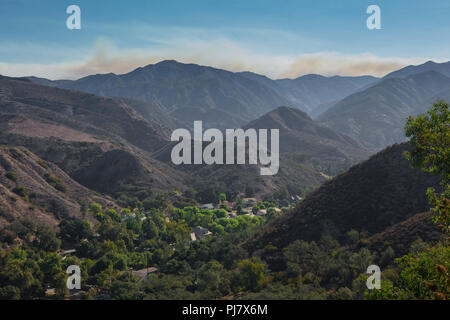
x,y
106,145
106,138
359,115
222,99
371,111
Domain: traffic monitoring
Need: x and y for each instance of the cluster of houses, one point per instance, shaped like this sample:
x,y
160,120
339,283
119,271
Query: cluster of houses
x,y
248,204
248,207
199,233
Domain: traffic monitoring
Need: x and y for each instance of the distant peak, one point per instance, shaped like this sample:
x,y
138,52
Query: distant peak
x,y
283,108
161,63
168,62
311,76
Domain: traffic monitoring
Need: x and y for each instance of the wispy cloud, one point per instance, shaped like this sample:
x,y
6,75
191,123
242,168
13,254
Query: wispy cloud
x,y
333,63
208,48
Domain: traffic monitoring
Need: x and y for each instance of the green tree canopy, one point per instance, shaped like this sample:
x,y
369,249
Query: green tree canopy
x,y
430,141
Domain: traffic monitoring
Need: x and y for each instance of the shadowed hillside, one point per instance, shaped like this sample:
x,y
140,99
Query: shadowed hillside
x,y
309,142
372,196
34,109
401,235
175,86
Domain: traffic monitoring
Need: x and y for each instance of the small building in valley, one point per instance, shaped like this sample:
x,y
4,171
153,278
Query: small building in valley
x,y
232,215
249,202
66,253
207,206
201,233
143,273
261,212
247,211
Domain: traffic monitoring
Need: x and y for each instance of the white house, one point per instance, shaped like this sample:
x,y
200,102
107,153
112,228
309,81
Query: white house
x,y
201,233
207,206
261,212
249,202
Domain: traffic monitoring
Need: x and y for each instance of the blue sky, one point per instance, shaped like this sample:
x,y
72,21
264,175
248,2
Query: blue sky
x,y
284,38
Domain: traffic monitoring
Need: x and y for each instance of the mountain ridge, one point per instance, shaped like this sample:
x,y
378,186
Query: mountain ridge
x,y
239,96
375,117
